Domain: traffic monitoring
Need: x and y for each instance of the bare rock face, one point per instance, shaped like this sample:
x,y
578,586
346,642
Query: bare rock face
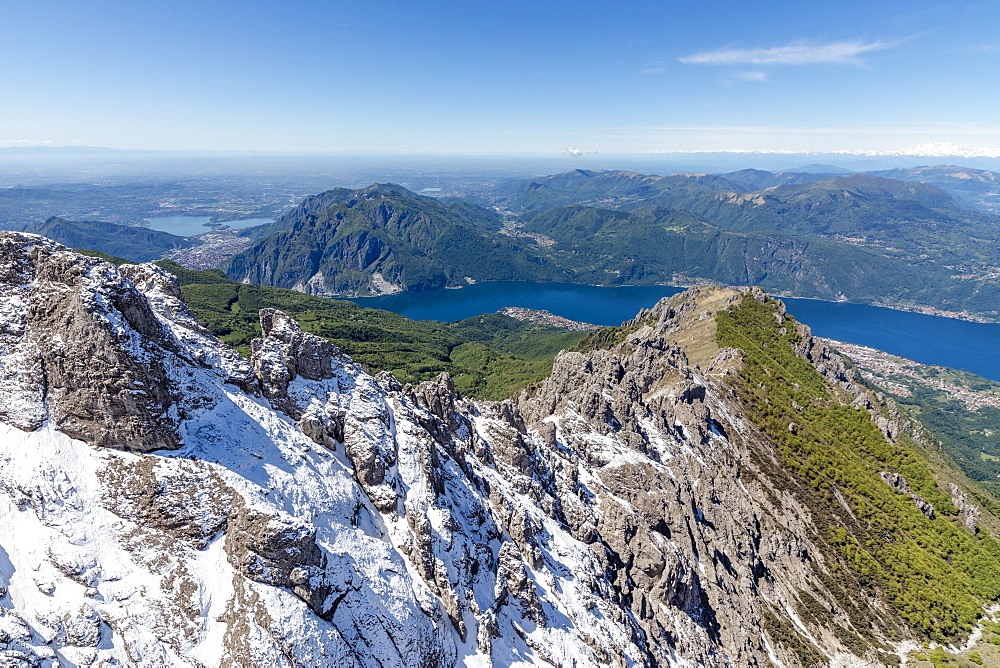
x,y
282,552
369,443
439,399
638,468
286,352
895,480
83,349
514,587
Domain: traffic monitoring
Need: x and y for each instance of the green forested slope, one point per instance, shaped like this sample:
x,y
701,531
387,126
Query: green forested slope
x,y
937,574
412,242
860,238
959,409
656,245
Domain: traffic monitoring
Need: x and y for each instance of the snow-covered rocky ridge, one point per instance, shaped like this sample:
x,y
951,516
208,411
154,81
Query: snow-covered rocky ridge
x,y
169,503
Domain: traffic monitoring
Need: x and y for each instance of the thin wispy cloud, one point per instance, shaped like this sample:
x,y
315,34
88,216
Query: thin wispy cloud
x,y
750,76
797,53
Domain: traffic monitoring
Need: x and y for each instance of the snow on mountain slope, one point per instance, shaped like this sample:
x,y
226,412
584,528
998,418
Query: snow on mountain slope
x,y
198,554
170,503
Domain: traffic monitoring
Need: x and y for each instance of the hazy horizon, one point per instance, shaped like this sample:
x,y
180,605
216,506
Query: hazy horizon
x,y
317,172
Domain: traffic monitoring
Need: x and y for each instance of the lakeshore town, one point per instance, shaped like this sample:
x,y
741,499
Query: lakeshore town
x,y
546,318
887,371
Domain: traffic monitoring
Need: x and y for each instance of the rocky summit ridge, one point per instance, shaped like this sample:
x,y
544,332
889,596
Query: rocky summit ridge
x,y
168,502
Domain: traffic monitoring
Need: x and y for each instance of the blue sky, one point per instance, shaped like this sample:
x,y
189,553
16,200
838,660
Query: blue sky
x,y
497,77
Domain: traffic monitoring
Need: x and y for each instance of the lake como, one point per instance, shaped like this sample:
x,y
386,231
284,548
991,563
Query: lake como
x,y
928,339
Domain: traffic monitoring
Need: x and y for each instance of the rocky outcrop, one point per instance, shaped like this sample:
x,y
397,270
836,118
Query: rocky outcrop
x,y
285,352
898,482
282,552
82,349
969,513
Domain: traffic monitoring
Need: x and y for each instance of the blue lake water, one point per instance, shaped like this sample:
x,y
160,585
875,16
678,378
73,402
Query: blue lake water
x,y
928,339
586,303
183,226
188,226
959,344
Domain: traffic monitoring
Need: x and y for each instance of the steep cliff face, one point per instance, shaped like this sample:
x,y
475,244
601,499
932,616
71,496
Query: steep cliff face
x,y
294,510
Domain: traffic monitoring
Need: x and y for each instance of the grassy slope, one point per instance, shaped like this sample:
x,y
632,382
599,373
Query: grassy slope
x,y
937,575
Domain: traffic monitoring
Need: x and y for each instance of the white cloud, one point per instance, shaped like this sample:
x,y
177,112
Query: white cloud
x,y
573,151
751,77
797,53
26,142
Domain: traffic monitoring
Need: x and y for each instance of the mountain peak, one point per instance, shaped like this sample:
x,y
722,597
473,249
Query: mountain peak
x,y
390,190
647,502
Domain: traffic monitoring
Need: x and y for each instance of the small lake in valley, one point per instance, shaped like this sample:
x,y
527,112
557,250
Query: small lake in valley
x,y
182,226
189,226
928,339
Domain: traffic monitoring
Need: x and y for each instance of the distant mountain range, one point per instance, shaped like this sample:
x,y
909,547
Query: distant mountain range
x,y
977,189
901,237
859,238
820,168
935,150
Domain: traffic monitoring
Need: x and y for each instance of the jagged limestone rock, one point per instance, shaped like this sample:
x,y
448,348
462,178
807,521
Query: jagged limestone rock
x,y
280,551
970,513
